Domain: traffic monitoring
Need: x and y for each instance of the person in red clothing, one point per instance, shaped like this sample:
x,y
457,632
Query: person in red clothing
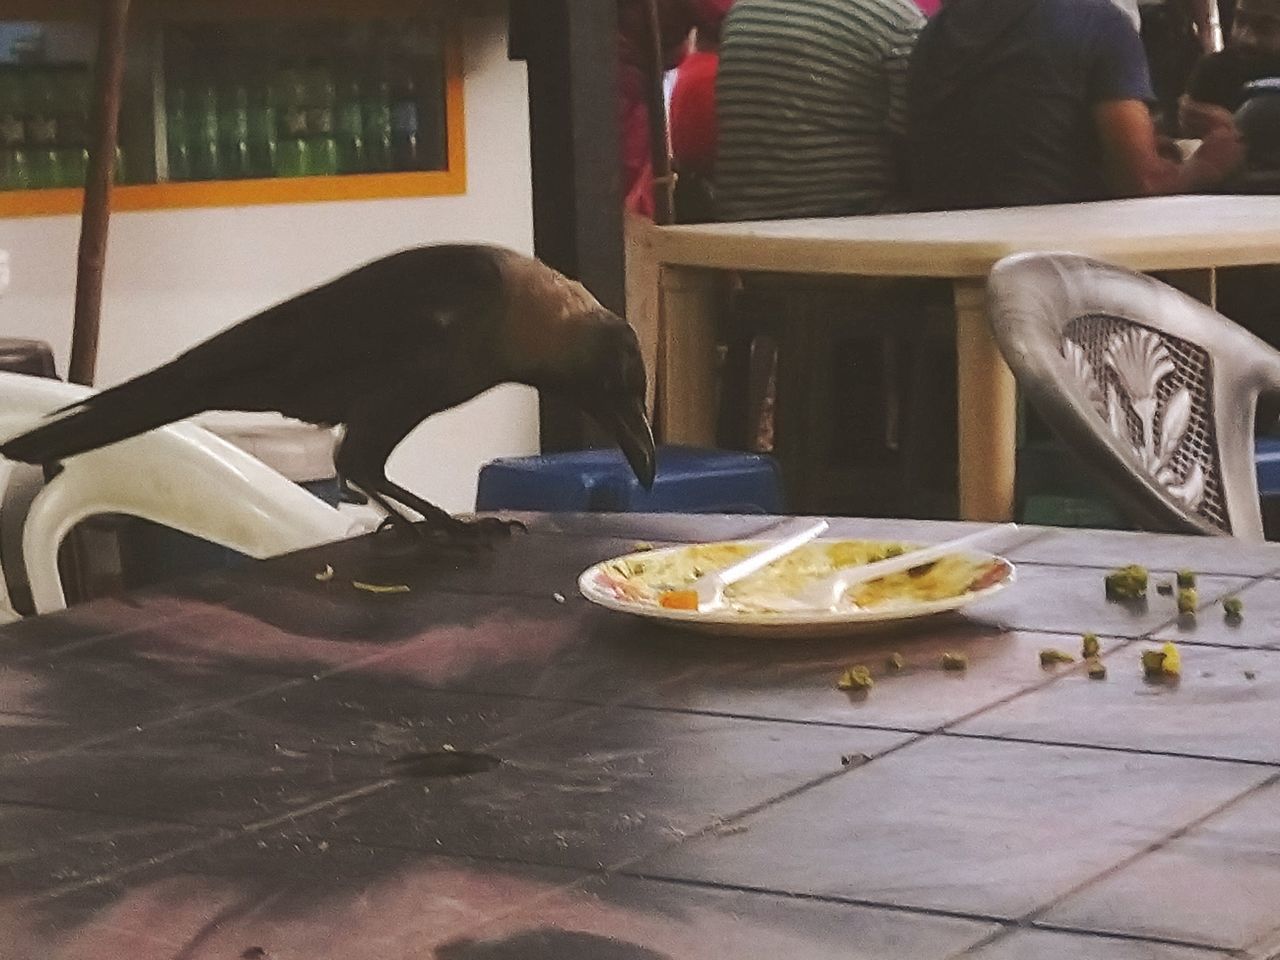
x,y
693,100
677,19
693,118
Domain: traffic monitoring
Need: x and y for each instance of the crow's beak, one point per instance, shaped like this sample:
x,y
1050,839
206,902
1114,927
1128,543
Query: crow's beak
x,y
631,429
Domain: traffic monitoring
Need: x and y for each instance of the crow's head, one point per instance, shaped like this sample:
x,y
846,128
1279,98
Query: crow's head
x,y
557,337
606,379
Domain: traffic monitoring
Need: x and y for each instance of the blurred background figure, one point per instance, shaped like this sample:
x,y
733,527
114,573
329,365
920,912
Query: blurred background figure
x,y
1217,87
694,132
1016,102
637,83
1176,34
811,100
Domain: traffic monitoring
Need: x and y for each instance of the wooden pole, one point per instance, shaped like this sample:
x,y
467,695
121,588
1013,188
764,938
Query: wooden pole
x,y
96,214
663,179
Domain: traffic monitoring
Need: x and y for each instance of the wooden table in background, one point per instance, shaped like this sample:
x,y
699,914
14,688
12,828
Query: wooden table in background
x,y
239,768
1191,235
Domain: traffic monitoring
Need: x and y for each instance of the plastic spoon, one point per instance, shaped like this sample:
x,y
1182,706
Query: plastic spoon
x,y
827,593
709,588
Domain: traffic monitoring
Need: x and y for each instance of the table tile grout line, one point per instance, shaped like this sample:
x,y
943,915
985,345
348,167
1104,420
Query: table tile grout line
x,y
1005,923
1010,928
285,683
1265,947
222,835
75,646
1031,918
289,682
1128,751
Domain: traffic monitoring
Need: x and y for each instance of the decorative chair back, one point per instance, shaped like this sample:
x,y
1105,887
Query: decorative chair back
x,y
1153,390
181,476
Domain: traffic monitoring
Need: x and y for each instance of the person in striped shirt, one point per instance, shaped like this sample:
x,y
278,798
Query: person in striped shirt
x,y
811,102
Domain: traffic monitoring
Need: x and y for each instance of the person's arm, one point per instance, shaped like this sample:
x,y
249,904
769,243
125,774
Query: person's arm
x,y
1132,162
1196,118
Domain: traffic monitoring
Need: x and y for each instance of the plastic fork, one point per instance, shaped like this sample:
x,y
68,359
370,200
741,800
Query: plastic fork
x,y
710,587
827,593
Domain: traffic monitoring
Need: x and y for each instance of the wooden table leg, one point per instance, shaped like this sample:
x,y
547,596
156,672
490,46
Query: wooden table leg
x,y
686,388
987,408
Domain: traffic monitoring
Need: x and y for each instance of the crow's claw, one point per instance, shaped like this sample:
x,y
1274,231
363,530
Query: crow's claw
x,y
489,528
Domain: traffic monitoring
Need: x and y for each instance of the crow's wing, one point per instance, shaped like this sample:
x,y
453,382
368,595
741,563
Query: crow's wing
x,y
310,357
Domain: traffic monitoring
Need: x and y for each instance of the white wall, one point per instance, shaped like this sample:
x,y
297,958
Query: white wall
x,y
177,277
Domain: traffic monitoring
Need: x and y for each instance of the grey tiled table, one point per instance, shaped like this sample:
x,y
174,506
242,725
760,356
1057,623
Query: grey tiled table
x,y
231,767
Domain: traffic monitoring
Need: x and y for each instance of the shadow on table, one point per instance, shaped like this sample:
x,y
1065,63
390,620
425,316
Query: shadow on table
x,y
546,944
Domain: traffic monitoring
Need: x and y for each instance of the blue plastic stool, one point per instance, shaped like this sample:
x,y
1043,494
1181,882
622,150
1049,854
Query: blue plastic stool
x,y
689,480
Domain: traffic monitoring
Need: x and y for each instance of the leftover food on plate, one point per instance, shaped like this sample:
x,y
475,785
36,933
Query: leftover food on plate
x,y
661,579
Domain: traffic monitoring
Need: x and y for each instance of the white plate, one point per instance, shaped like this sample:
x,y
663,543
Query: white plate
x,y
594,583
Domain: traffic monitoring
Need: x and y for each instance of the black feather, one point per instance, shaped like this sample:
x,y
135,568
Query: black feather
x,y
379,350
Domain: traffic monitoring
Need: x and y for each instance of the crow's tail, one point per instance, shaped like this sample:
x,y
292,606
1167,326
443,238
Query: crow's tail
x,y
104,418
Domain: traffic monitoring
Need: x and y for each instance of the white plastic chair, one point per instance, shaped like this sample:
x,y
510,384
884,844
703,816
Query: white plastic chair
x,y
181,476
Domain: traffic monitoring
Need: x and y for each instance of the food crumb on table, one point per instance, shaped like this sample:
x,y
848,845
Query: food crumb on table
x,y
1250,675
380,587
1233,608
1127,583
1089,646
1188,600
1050,657
955,661
856,678
1164,663
558,597
1186,578
1097,669
895,662
325,575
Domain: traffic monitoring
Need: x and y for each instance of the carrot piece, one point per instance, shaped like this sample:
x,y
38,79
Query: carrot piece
x,y
679,600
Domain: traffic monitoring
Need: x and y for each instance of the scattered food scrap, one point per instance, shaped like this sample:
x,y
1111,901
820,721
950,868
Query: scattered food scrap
x,y
1050,657
558,597
1165,663
380,587
1127,583
1089,646
1250,675
1186,578
1188,600
854,759
955,661
1097,669
641,545
1153,663
1165,588
1233,608
895,662
856,678
325,575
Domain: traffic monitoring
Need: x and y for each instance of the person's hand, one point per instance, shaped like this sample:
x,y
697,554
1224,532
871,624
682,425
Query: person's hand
x,y
1197,118
1221,154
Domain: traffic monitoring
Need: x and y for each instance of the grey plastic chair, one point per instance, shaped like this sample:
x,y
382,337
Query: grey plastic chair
x,y
1154,391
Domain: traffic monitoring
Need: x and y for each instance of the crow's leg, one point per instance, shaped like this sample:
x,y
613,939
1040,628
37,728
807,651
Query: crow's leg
x,y
361,459
483,528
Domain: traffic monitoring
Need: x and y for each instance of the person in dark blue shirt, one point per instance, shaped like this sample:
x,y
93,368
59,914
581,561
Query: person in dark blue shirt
x,y
1217,87
1014,102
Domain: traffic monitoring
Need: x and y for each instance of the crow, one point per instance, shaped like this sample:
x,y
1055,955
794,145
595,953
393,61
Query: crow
x,y
377,351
